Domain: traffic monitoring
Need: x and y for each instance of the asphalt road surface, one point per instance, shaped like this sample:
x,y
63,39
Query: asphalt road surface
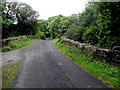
x,y
46,67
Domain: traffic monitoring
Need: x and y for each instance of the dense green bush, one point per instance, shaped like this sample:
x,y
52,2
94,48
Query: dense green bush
x,y
90,35
98,25
73,32
108,24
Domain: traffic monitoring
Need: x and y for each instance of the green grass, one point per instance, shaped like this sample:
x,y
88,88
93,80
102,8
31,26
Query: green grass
x,y
103,71
8,75
16,45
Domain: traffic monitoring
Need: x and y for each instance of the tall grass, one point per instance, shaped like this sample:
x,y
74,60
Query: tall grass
x,y
103,71
8,75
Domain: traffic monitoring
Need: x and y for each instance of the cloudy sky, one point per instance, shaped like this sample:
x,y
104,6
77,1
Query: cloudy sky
x,y
48,8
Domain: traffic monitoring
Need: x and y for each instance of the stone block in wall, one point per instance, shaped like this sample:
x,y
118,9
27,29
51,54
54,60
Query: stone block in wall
x,y
103,54
80,45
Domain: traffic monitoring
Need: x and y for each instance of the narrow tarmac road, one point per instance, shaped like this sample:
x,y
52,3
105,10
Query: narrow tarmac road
x,y
45,67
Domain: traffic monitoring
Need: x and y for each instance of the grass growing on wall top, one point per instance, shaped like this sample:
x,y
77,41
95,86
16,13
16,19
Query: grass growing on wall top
x,y
100,69
15,44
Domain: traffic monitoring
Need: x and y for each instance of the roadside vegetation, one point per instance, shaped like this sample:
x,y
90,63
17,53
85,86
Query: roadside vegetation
x,y
8,75
18,42
100,69
97,25
19,21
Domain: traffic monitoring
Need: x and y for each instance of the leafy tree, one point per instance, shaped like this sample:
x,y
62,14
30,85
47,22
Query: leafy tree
x,y
73,19
98,25
42,25
90,35
89,16
108,24
79,23
57,26
6,19
26,18
18,19
73,32
53,26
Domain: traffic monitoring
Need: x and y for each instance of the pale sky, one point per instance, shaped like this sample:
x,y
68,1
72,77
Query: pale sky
x,y
48,8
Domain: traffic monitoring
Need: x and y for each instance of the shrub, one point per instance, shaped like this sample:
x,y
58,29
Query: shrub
x,y
13,43
23,38
74,33
90,35
7,48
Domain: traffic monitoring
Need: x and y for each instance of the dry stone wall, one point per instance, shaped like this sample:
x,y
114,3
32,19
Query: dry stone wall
x,y
98,53
7,40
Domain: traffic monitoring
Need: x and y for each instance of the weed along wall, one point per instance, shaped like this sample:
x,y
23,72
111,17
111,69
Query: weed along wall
x,y
7,40
19,38
101,54
13,43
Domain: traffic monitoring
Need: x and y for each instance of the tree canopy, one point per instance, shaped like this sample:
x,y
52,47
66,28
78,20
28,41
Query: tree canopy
x,y
98,24
17,19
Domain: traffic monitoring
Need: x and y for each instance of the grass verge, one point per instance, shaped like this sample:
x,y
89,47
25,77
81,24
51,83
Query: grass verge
x,y
8,75
18,45
103,71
